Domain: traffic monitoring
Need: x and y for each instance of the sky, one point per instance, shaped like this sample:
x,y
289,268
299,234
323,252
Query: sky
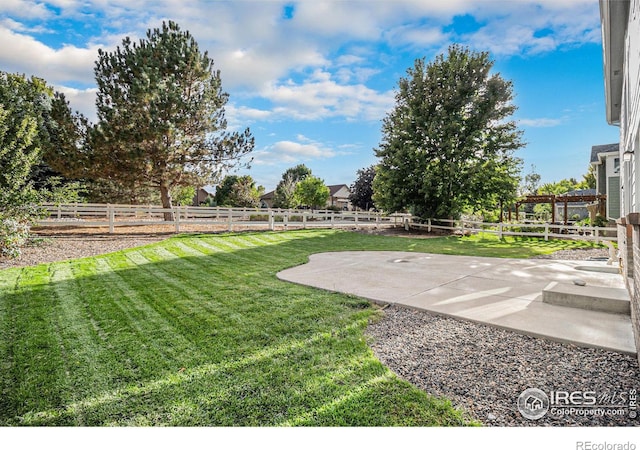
x,y
313,79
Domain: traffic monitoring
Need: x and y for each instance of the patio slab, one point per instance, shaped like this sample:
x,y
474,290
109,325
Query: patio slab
x,y
500,292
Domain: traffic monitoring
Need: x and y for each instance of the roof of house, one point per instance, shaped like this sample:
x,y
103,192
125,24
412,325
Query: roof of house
x,y
579,192
334,188
269,195
607,148
211,190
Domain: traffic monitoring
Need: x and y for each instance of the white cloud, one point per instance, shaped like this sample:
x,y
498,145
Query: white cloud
x,y
321,97
81,100
291,152
24,9
257,50
30,56
542,122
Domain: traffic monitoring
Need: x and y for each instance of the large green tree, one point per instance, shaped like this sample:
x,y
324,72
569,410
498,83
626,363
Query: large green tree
x,y
311,192
448,144
161,121
284,197
25,107
238,191
28,128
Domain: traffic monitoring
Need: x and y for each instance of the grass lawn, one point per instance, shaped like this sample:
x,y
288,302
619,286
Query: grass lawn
x,y
197,330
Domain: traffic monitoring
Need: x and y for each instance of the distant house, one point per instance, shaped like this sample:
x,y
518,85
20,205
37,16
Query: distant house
x,y
338,197
202,194
574,209
266,200
605,159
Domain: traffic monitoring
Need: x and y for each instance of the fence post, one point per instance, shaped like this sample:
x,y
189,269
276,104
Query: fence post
x,y
304,220
272,225
285,219
500,231
332,225
230,220
59,210
546,231
111,214
356,219
596,233
176,218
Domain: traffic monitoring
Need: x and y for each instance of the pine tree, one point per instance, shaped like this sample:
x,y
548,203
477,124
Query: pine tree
x,y
160,109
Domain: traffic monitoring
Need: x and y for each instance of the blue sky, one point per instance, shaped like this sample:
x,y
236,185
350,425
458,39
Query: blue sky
x,y
313,79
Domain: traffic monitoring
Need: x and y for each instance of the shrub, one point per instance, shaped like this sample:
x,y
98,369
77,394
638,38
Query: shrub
x,y
13,236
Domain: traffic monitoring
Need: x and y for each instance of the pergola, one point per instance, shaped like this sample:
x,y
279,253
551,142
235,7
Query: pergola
x,y
564,199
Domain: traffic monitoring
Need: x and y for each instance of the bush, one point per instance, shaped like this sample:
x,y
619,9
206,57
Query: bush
x,y
13,236
600,221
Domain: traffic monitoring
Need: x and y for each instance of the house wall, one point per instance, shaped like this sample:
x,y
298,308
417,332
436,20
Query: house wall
x,y
629,224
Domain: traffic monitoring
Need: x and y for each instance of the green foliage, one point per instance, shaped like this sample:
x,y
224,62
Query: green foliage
x,y
161,118
600,221
283,197
183,195
589,178
238,191
531,182
362,189
13,235
24,108
311,192
448,145
562,187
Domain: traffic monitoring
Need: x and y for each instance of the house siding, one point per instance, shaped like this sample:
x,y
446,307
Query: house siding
x,y
613,199
628,118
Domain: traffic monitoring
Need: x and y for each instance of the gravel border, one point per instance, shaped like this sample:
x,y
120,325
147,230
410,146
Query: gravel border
x,y
483,369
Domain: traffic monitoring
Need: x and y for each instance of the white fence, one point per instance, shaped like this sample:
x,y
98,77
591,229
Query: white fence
x,y
112,216
529,229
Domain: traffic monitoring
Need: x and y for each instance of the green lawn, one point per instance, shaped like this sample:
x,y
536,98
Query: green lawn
x,y
197,330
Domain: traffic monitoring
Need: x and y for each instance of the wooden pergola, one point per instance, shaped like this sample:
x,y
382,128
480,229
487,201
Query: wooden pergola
x,y
564,199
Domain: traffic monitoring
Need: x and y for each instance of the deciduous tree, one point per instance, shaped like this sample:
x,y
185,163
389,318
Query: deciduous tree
x,y
362,189
448,144
283,197
312,192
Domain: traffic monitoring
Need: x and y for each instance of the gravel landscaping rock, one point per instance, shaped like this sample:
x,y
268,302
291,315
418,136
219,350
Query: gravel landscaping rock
x,y
483,370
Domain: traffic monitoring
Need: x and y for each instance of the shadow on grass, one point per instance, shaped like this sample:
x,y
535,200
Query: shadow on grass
x,y
197,330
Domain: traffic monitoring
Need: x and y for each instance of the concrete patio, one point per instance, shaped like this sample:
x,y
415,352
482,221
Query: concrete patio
x,y
505,293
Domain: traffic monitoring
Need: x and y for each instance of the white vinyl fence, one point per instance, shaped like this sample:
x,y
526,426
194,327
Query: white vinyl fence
x,y
112,216
529,229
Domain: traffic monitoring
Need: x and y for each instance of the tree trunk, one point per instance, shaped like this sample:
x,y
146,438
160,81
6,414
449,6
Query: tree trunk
x,y
165,195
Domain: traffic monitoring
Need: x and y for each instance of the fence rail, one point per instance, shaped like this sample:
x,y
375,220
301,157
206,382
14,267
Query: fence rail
x,y
530,229
112,216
